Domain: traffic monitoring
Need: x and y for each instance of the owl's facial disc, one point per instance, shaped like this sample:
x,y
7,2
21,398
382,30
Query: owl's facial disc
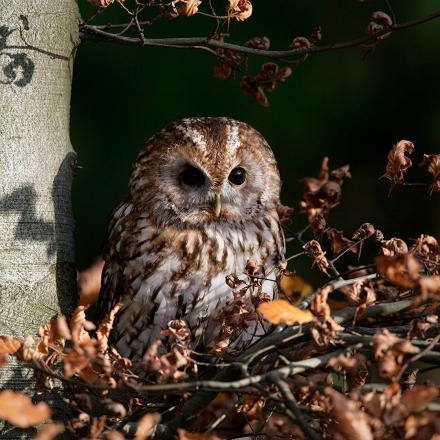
x,y
202,171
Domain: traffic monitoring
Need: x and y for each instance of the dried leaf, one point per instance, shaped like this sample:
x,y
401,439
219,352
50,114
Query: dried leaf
x,y
364,231
398,163
252,407
9,345
188,7
429,285
185,435
280,311
262,43
18,409
178,331
49,432
313,248
299,43
352,422
339,242
145,425
393,247
79,358
114,435
418,397
240,10
355,366
105,327
390,352
103,3
402,271
379,21
78,324
432,161
89,283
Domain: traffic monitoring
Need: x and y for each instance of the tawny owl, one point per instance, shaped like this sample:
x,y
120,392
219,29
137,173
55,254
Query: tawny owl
x,y
203,201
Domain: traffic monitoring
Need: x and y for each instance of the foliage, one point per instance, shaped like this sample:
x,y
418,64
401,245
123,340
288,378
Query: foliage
x,y
336,369
346,374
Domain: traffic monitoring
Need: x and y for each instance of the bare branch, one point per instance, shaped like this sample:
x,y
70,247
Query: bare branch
x,y
95,33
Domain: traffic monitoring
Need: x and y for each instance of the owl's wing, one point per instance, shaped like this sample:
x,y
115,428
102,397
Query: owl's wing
x,y
112,282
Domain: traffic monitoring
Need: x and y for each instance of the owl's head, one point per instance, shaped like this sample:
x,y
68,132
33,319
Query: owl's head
x,y
203,170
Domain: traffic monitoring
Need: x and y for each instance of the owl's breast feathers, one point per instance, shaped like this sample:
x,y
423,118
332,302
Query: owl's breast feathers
x,y
161,274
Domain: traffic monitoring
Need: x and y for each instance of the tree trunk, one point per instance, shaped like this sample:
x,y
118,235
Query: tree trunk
x,y
37,272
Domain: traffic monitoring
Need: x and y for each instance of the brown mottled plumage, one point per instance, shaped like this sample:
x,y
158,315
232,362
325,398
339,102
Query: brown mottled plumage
x,y
170,246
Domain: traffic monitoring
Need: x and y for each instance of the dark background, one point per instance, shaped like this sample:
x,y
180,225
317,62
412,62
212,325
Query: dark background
x,y
337,104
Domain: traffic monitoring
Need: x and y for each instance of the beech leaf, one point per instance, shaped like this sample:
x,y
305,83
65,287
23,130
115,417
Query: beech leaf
x,y
281,311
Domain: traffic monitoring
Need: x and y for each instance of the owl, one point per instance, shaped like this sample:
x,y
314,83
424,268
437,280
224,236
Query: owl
x,y
203,202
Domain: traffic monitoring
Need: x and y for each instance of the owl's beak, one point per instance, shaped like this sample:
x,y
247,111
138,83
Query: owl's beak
x,y
217,205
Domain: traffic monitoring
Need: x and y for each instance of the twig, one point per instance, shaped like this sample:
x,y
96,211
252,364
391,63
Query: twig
x,y
221,385
346,250
416,357
291,404
89,32
192,407
335,286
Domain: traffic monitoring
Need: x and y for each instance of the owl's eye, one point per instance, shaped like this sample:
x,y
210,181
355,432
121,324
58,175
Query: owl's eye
x,y
191,176
237,176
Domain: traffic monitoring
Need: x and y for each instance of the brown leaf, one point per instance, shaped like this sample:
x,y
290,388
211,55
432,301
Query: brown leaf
x,y
105,327
145,425
321,194
429,285
89,283
380,21
262,43
402,270
185,435
426,247
49,432
355,366
313,248
280,311
223,71
27,350
319,305
419,327
114,435
178,331
9,345
339,242
299,43
341,173
240,10
364,231
398,163
252,407
352,422
188,7
418,397
18,409
78,325
393,247
53,334
103,3
389,351
252,267
433,163
79,359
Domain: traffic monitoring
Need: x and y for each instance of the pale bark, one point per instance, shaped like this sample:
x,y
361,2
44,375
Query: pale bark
x,y
37,274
